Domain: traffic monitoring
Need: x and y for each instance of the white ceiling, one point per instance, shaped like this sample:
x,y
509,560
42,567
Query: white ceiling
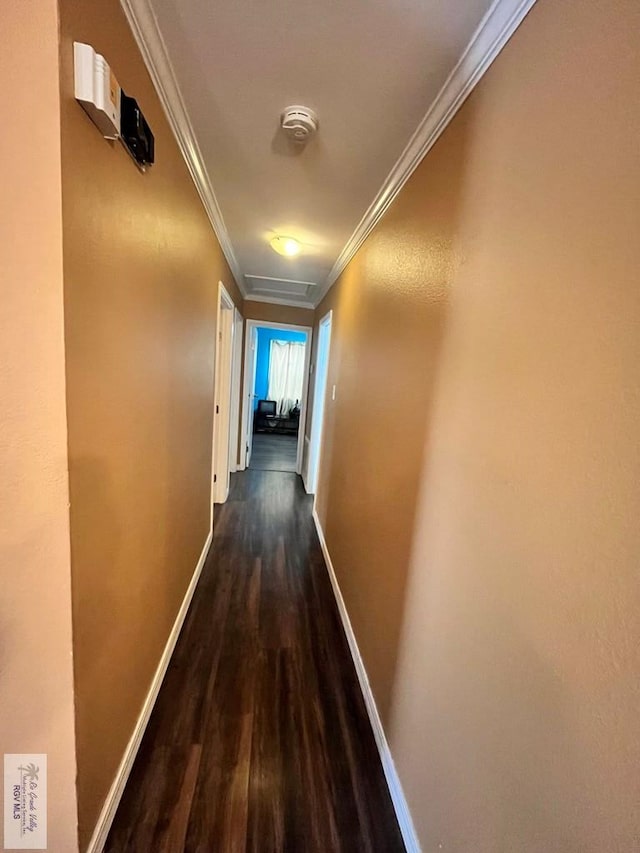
x,y
371,69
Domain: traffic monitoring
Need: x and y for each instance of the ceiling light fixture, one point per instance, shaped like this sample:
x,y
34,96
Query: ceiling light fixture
x,y
285,246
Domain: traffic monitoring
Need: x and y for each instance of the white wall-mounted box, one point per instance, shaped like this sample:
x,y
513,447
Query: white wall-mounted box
x,y
97,89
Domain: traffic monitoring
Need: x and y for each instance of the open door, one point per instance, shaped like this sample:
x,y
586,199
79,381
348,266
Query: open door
x,y
319,398
235,459
222,396
250,383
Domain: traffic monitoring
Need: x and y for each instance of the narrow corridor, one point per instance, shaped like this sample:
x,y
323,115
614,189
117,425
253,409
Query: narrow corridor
x,y
259,740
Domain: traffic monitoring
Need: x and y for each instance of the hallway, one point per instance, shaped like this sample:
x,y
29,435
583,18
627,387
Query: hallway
x,y
259,740
407,233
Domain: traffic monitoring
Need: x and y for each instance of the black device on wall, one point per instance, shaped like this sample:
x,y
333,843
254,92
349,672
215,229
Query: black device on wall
x,y
135,132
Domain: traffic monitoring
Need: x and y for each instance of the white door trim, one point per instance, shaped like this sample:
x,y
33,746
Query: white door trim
x,y
247,393
221,398
317,423
236,371
262,324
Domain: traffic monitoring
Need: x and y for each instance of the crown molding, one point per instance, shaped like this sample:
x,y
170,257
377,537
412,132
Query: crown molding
x,y
496,28
494,31
146,31
274,300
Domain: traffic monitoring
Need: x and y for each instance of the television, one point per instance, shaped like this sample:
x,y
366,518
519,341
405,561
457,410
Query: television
x,y
267,407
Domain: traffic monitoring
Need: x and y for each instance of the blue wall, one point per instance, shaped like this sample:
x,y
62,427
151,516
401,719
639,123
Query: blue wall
x,y
265,336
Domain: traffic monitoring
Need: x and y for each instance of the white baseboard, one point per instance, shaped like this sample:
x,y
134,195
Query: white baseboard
x,y
112,800
393,782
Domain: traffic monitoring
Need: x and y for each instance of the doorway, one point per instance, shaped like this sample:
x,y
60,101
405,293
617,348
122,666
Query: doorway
x,y
222,396
236,371
319,400
277,359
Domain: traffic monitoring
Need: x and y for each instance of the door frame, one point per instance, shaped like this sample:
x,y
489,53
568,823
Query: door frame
x,y
236,374
222,398
249,373
249,384
319,408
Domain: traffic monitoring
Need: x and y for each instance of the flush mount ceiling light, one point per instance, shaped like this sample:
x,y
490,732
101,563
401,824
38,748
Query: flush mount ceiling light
x,y
286,246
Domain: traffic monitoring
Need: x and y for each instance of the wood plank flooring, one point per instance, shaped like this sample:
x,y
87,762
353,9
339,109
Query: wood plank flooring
x,y
259,740
274,452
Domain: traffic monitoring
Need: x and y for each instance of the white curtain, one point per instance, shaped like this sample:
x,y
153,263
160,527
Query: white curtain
x,y
286,374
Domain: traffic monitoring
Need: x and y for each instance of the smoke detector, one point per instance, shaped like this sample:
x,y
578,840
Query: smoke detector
x,y
299,123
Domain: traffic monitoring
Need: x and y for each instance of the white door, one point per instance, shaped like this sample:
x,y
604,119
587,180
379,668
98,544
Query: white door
x,y
234,432
251,384
319,398
222,397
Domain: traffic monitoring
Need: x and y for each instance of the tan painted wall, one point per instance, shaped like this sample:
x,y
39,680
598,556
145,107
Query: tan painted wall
x,y
36,679
141,276
480,481
277,313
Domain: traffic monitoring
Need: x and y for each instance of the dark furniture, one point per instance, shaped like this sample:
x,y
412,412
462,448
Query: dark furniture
x,y
265,419
267,408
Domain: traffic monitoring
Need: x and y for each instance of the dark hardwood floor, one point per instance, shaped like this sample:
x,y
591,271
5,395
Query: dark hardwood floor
x,y
274,452
259,740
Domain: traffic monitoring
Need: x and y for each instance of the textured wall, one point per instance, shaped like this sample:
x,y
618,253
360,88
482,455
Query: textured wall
x,y
36,679
141,268
277,313
479,485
